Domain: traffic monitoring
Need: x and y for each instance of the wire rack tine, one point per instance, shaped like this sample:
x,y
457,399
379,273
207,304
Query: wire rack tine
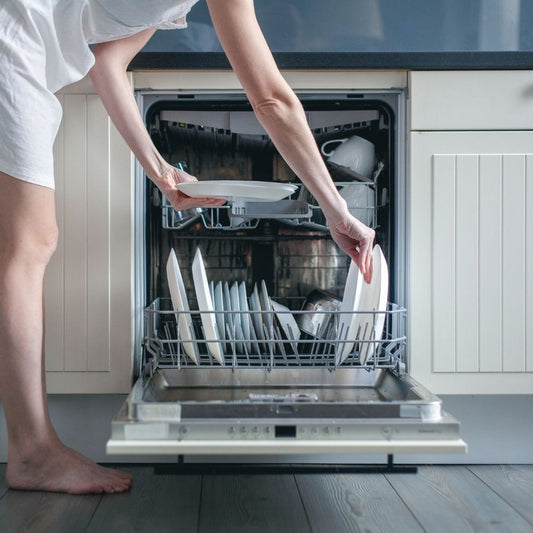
x,y
166,329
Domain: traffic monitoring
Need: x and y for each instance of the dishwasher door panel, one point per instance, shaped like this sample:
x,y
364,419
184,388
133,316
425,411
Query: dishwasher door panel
x,y
281,411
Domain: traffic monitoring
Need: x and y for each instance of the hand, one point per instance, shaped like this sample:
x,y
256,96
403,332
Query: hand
x,y
180,201
356,240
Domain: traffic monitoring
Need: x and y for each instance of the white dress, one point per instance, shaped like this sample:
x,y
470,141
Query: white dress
x,y
44,45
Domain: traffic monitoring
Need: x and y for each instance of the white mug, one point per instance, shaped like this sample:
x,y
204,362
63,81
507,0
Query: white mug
x,y
354,153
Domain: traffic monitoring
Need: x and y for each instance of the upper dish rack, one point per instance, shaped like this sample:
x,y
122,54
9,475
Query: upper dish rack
x,y
164,344
300,209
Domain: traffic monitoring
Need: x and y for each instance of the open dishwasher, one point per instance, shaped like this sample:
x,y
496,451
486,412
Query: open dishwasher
x,y
252,384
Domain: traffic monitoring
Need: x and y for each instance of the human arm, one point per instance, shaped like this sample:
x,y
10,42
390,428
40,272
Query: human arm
x,y
111,81
281,114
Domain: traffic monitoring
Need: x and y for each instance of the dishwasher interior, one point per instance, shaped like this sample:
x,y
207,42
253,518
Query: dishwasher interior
x,y
283,378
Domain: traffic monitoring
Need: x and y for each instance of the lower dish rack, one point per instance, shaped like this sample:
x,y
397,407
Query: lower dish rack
x,y
277,346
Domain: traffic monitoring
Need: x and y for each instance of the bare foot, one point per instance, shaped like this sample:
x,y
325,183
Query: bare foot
x,y
61,469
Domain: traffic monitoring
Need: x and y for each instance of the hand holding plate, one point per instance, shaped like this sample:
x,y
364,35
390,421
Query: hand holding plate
x,y
180,201
356,240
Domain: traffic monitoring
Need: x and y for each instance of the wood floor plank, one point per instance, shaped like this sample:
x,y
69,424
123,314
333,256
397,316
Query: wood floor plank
x,y
3,484
251,503
42,512
354,503
156,503
451,498
513,483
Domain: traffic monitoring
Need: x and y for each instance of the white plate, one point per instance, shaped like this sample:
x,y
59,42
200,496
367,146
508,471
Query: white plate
x,y
231,333
246,320
235,303
237,320
227,307
219,306
268,318
178,296
287,321
257,319
375,299
212,291
243,190
349,322
206,304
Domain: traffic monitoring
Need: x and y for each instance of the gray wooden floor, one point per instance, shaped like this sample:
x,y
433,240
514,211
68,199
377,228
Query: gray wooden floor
x,y
438,498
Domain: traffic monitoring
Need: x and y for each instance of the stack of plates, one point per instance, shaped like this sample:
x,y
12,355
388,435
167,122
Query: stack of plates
x,y
232,322
359,297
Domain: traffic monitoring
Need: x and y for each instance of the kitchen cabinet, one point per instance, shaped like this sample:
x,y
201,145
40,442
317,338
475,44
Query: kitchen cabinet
x,y
470,302
88,284
470,196
471,100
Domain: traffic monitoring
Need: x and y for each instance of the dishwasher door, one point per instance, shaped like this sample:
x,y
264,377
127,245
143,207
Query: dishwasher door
x,y
281,412
286,397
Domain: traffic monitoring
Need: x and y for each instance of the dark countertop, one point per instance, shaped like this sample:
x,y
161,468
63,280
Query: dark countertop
x,y
346,61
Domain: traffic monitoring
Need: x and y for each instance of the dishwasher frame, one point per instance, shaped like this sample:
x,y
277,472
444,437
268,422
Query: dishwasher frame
x,y
395,99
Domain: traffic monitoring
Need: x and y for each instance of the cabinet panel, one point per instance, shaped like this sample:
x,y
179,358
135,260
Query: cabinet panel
x,y
471,100
443,261
470,297
466,263
88,283
529,264
98,232
490,264
74,231
513,255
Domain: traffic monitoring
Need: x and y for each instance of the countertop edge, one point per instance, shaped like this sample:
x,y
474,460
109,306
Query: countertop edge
x,y
344,61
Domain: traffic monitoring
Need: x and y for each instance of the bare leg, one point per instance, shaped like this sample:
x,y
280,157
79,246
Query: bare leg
x,y
37,460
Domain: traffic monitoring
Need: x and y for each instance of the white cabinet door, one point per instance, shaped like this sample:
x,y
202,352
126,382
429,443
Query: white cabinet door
x,y
471,261
88,285
471,100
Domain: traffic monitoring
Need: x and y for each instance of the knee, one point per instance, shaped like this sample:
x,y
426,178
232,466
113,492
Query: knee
x,y
47,242
44,242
